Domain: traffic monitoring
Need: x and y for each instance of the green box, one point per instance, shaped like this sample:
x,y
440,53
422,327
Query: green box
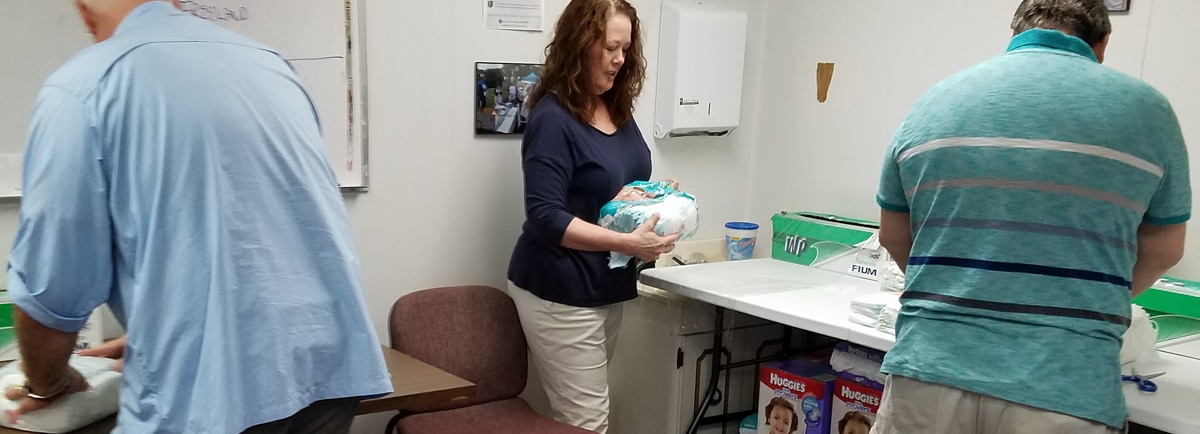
x,y
8,335
827,241
6,309
1173,296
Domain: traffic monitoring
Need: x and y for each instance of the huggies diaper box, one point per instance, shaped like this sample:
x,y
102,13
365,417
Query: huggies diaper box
x,y
858,389
795,396
855,404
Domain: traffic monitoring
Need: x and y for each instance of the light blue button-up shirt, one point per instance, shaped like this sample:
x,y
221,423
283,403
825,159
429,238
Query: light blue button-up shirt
x,y
176,171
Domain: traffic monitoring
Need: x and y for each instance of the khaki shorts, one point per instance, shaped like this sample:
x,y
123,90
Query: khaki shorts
x,y
915,407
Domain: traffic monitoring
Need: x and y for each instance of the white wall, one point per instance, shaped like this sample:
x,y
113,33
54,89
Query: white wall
x,y
446,207
9,209
826,156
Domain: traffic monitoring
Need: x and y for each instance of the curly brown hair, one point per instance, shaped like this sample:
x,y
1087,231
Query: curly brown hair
x,y
565,73
784,404
855,416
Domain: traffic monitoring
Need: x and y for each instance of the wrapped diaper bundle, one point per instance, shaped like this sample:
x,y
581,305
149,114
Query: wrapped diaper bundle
x,y
850,360
888,316
866,310
891,277
73,411
1138,343
676,210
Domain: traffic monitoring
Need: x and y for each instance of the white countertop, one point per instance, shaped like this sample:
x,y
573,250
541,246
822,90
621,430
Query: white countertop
x,y
819,301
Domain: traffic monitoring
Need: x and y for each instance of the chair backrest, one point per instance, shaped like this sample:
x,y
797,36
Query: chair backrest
x,y
472,332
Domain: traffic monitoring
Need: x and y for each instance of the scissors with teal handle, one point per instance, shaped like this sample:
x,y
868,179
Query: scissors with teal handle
x,y
1143,382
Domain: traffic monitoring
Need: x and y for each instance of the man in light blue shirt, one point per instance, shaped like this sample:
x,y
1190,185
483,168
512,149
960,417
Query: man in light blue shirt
x,y
175,171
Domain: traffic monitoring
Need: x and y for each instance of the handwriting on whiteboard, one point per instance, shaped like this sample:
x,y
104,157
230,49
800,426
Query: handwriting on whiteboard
x,y
213,12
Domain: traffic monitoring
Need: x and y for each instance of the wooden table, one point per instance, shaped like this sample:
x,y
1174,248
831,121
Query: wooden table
x,y
415,383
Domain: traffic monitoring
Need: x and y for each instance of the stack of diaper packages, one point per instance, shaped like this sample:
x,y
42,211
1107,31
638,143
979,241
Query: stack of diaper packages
x,y
73,411
887,317
858,388
868,310
891,281
677,212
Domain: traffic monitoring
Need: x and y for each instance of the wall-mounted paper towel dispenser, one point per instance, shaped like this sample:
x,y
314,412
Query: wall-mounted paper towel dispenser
x,y
701,56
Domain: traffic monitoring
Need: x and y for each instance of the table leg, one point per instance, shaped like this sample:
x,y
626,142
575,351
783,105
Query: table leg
x,y
714,372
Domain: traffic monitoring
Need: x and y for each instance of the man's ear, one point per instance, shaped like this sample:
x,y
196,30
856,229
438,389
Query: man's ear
x,y
1099,48
177,3
82,8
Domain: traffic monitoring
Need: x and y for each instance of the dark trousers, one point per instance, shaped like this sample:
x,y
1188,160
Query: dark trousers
x,y
331,416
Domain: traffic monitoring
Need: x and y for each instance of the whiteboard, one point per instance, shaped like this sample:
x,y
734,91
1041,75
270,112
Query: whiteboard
x,y
316,36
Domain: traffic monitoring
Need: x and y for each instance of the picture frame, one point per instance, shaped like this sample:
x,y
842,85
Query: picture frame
x,y
501,96
1117,5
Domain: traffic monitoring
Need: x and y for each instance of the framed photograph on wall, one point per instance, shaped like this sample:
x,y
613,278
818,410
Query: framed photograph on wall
x,y
1117,5
501,96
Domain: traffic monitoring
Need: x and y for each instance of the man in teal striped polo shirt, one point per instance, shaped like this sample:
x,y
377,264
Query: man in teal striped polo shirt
x,y
1030,196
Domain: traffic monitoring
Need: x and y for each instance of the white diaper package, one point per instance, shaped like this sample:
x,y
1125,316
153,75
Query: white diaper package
x,y
677,212
891,277
74,411
1138,342
857,360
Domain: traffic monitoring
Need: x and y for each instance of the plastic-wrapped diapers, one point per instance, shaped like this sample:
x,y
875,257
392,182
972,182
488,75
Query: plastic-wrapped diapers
x,y
73,411
1138,342
676,210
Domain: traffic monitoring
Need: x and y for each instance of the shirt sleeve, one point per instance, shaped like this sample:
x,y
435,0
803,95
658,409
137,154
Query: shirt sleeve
x,y
891,189
1172,202
60,268
548,167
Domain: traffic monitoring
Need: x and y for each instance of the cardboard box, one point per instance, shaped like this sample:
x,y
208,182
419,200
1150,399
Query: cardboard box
x,y
1174,296
8,336
795,396
855,404
856,397
830,242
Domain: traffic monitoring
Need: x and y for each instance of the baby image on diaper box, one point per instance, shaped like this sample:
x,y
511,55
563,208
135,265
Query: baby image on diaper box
x,y
795,396
855,405
857,390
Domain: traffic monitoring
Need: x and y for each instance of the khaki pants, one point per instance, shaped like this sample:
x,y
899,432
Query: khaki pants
x,y
571,347
915,407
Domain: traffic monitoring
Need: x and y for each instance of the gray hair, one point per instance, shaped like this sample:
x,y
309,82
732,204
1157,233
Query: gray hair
x,y
1085,19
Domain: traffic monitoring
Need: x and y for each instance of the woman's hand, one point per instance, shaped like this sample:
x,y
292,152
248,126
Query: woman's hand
x,y
631,194
647,245
114,349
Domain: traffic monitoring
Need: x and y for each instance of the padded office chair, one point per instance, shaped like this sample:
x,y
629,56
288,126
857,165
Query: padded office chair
x,y
472,332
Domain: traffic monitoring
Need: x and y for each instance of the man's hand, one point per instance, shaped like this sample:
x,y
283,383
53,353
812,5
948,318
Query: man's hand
x,y
45,359
114,349
25,404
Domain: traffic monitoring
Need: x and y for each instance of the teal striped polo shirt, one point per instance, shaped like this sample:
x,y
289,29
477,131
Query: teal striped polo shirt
x,y
1026,178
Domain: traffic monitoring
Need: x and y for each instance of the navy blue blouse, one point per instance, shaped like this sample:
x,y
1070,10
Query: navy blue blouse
x,y
571,170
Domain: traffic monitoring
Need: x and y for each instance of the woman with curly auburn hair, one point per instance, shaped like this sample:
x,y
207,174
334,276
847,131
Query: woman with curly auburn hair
x,y
580,147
